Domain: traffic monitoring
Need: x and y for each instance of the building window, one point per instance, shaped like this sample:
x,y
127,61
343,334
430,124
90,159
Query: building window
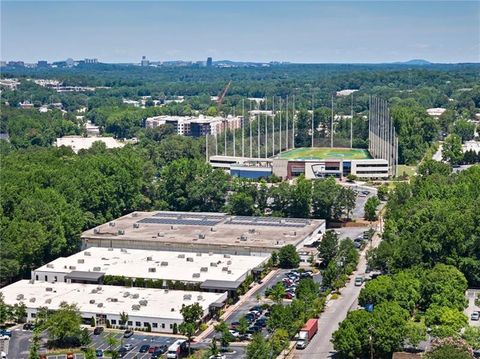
x,y
146,324
163,325
33,315
46,278
130,323
154,325
113,321
138,324
171,326
56,279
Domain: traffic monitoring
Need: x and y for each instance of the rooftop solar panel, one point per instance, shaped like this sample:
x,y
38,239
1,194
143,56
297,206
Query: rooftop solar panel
x,y
176,221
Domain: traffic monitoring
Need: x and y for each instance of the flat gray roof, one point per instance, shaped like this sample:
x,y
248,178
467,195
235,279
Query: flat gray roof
x,y
220,285
183,230
83,275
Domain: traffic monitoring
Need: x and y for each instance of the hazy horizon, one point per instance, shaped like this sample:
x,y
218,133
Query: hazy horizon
x,y
315,32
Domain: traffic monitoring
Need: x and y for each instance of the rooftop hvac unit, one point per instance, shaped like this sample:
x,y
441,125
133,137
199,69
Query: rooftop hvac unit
x,y
134,214
165,291
164,264
100,305
143,302
49,265
20,297
96,231
225,269
243,237
213,264
149,259
213,229
111,224
204,269
92,301
72,267
226,256
31,281
32,300
97,269
135,296
172,309
172,227
80,261
229,262
87,253
94,291
123,250
136,225
114,300
200,297
152,270
49,289
48,301
135,307
99,288
251,230
126,294
210,253
201,236
121,232
196,275
198,254
110,249
181,256
229,272
189,259
187,297
160,234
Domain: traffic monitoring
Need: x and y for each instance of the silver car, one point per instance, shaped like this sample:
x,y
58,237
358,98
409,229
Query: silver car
x,y
475,316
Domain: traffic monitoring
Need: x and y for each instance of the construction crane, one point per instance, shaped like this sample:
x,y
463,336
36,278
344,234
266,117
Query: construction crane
x,y
222,94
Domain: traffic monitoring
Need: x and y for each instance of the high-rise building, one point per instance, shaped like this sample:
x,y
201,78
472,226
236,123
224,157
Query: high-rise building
x,y
144,62
209,62
42,63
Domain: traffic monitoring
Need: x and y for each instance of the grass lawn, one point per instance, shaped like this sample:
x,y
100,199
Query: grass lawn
x,y
308,153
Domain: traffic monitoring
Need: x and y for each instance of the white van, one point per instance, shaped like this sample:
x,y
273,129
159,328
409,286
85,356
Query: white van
x,y
176,350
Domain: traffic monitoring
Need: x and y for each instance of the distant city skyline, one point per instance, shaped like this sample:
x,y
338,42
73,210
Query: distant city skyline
x,y
300,32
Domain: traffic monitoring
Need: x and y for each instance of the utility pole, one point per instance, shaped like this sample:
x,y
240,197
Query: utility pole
x,y
234,133
313,111
206,147
250,129
258,134
351,125
273,125
280,125
331,128
286,126
293,123
243,128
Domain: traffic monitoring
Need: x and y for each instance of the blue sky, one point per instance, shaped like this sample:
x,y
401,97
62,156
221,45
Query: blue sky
x,y
296,31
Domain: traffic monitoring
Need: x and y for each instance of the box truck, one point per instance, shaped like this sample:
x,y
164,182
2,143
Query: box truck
x,y
306,333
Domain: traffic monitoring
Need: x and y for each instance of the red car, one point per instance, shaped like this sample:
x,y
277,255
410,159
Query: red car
x,y
153,349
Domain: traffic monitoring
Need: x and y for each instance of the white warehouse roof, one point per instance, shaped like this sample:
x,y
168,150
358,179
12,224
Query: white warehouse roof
x,y
107,299
148,264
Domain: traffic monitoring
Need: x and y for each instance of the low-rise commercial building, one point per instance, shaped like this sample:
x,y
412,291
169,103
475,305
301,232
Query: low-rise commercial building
x,y
77,143
155,309
204,232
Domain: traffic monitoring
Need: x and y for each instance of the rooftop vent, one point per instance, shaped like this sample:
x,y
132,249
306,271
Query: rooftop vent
x,y
20,297
181,256
135,296
49,265
187,297
189,259
123,250
229,262
100,305
49,289
136,307
226,256
196,275
164,264
204,269
143,302
200,297
198,254
92,301
160,234
87,253
110,249
201,236
31,281
96,231
251,230
229,272
94,291
134,214
136,225
72,267
213,264
97,269
210,253
152,270
48,301
225,269
32,300
165,291
121,232
114,300
173,227
213,229
80,261
149,259
172,310
126,294
243,237
111,224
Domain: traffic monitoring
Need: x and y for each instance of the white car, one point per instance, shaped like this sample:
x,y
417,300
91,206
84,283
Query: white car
x,y
475,316
128,346
234,333
218,356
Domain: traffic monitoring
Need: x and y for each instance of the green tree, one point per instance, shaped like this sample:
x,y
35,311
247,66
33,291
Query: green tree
x,y
258,348
34,352
464,129
213,347
279,341
449,350
415,333
85,338
226,337
445,321
111,342
191,315
5,309
288,257
277,292
370,208
123,318
64,323
241,204
243,325
382,192
452,150
328,247
352,338
472,336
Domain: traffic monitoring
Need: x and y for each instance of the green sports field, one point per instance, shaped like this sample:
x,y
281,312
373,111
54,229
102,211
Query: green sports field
x,y
308,153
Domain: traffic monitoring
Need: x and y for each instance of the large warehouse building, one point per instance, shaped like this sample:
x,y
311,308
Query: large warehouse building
x,y
204,232
158,309
94,264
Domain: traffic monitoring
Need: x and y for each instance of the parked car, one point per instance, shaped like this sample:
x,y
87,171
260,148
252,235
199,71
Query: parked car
x,y
358,281
289,295
144,348
246,336
159,352
262,322
475,316
152,349
254,329
99,353
234,325
128,346
121,352
28,326
250,317
70,355
257,308
6,332
218,356
234,333
128,333
98,331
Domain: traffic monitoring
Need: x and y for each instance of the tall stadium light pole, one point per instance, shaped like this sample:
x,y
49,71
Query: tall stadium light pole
x,y
250,129
206,147
312,119
225,136
280,125
369,124
243,128
258,134
234,132
216,143
286,125
293,122
331,128
351,124
273,126
266,132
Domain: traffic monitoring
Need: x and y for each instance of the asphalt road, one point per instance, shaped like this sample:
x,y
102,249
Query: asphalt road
x,y
19,344
471,294
335,312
